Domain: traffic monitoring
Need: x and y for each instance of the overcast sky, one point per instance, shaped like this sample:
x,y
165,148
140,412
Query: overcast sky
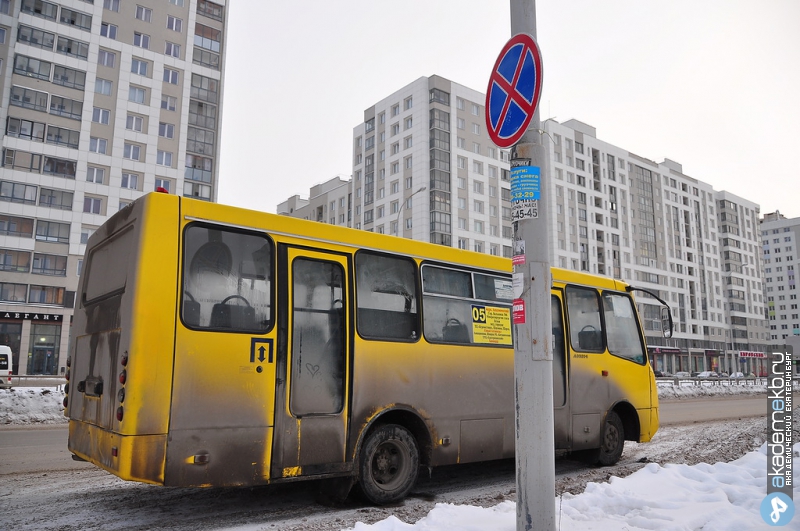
x,y
711,84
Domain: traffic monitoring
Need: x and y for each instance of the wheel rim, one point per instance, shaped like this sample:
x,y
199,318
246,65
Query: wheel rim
x,y
390,465
611,438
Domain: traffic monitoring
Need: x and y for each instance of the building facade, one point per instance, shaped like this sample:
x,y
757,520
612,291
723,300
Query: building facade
x,y
780,237
425,168
101,101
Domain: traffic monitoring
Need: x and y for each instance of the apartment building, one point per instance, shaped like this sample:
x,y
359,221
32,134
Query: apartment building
x,y
780,237
101,102
425,168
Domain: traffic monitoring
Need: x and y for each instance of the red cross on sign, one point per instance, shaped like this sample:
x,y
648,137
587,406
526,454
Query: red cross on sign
x,y
515,87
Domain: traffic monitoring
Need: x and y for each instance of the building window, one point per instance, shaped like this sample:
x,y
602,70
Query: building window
x,y
143,13
166,130
72,47
199,140
106,58
141,40
59,167
132,151
30,67
209,9
102,86
172,49
139,66
17,192
204,88
75,18
137,94
111,5
164,158
169,103
108,30
44,295
25,129
92,205
86,233
171,76
39,8
130,181
101,116
68,77
55,199
29,98
134,123
98,145
36,37
52,231
174,23
162,183
95,175
49,264
208,38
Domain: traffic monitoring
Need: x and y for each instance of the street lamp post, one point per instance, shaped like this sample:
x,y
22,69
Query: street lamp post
x,y
400,210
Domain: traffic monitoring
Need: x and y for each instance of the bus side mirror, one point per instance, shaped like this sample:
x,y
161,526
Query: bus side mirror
x,y
666,322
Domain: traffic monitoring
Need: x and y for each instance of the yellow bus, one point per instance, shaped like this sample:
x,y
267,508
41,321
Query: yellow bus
x,y
218,346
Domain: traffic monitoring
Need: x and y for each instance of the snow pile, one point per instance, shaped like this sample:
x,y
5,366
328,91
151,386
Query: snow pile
x,y
715,497
32,405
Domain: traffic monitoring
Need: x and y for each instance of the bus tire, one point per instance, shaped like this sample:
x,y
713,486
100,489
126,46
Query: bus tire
x,y
389,464
612,441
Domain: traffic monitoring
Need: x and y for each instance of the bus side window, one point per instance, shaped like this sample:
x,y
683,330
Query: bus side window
x,y
386,297
448,305
585,329
622,329
226,280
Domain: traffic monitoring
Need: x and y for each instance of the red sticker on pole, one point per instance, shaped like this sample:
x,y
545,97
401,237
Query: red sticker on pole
x,y
518,311
515,87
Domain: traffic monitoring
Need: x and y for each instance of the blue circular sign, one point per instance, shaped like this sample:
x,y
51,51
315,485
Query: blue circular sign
x,y
515,87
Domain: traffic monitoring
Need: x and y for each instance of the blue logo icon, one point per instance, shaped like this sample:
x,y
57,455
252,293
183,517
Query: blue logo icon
x,y
777,509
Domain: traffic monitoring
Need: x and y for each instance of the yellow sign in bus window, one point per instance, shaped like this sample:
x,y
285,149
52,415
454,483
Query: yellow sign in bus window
x,y
491,325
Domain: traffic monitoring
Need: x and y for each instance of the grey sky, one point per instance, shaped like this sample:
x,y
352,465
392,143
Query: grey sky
x,y
711,84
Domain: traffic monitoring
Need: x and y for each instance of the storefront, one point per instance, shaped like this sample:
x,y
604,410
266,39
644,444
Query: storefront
x,y
714,362
666,359
39,336
753,363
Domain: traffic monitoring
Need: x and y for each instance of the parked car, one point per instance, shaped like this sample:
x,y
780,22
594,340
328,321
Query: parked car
x,y
737,375
707,374
681,374
661,374
5,366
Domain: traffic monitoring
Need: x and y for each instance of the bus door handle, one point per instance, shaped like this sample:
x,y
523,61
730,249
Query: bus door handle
x,y
604,373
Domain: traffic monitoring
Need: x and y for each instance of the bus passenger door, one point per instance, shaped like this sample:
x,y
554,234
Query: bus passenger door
x,y
561,411
311,417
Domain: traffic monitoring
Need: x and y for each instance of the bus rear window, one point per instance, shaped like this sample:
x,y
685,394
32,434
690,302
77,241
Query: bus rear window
x,y
227,280
108,266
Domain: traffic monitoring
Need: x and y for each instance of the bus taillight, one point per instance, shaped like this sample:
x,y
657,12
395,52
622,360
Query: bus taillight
x,y
123,377
119,413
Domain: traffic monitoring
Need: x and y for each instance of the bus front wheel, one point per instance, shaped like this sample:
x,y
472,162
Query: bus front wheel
x,y
389,464
612,442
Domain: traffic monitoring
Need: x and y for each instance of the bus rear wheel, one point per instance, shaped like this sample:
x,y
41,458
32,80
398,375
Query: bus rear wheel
x,y
389,464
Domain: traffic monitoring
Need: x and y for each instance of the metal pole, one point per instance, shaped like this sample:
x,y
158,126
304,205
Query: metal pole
x,y
533,349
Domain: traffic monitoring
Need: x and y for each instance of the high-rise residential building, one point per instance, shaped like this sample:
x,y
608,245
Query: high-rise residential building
x,y
780,237
101,101
425,168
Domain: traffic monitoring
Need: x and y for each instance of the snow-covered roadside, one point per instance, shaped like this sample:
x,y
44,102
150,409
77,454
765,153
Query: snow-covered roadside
x,y
32,405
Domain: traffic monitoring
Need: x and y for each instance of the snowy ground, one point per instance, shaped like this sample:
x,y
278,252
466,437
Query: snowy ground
x,y
667,484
